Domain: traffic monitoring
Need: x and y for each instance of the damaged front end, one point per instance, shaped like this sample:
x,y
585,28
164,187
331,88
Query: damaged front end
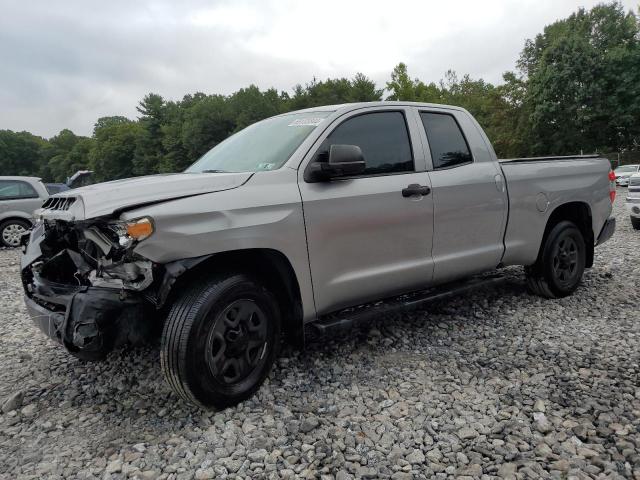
x,y
86,288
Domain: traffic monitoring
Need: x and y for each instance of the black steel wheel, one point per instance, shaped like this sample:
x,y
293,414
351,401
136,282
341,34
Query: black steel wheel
x,y
564,261
220,340
560,265
237,341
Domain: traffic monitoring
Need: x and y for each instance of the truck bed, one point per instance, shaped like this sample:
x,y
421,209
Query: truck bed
x,y
537,186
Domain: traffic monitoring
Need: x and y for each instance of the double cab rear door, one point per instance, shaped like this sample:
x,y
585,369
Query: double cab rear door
x,y
430,207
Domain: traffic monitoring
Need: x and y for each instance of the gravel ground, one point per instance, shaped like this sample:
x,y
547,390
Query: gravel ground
x,y
495,384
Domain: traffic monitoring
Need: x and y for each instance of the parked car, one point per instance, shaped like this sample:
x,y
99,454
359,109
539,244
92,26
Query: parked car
x,y
624,172
302,223
633,200
19,197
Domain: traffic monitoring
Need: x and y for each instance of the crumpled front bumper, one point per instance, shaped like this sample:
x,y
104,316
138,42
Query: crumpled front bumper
x,y
50,322
89,321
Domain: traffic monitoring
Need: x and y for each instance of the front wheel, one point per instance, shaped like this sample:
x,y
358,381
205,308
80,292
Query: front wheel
x,y
220,340
11,232
559,268
635,223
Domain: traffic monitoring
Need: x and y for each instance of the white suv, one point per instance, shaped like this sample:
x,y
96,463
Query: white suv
x,y
624,172
633,200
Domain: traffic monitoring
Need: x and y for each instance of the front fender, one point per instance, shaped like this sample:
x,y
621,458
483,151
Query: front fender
x,y
265,213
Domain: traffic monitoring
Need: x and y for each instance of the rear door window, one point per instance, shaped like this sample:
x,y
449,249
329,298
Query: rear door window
x,y
448,146
15,189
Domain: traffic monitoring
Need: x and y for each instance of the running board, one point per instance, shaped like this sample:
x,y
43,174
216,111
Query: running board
x,y
349,317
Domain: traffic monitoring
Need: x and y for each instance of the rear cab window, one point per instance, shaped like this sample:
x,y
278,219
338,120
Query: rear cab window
x,y
449,147
383,138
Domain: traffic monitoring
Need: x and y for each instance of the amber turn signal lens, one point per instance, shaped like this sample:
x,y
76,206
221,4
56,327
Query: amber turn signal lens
x,y
140,229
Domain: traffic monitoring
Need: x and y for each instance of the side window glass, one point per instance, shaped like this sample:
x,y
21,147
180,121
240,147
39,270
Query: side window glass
x,y
382,137
13,189
446,141
27,190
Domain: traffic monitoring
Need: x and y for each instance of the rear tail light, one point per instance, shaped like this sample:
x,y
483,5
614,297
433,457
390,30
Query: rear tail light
x,y
612,186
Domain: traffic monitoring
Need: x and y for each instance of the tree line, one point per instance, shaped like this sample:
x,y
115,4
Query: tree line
x,y
576,88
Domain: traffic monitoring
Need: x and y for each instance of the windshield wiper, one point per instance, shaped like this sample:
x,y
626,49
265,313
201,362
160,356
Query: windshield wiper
x,y
214,171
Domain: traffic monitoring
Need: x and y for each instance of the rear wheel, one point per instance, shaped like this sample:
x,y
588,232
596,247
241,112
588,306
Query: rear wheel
x,y
220,340
12,230
635,223
560,266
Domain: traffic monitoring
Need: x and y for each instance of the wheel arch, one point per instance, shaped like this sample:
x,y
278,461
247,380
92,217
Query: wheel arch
x,y
16,216
578,213
269,266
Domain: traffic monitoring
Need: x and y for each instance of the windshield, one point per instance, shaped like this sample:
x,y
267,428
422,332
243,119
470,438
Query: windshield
x,y
265,145
626,168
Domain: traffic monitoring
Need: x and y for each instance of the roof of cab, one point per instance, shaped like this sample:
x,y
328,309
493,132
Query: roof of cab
x,y
345,107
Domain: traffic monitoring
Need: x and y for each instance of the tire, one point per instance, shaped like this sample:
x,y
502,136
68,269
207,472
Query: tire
x,y
560,265
635,223
11,231
220,340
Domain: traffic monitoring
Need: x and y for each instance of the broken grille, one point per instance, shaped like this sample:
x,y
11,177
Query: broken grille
x,y
58,203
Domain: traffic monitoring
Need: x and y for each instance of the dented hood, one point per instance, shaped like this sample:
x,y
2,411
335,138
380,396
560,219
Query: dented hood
x,y
118,195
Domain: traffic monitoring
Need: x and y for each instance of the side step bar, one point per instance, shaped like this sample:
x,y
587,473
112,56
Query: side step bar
x,y
348,318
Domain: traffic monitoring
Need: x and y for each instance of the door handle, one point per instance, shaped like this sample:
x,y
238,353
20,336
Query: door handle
x,y
415,189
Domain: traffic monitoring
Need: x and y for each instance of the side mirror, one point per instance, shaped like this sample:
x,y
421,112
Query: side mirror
x,y
344,161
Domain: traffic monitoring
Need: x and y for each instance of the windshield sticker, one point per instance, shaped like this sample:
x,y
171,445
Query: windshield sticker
x,y
266,166
306,122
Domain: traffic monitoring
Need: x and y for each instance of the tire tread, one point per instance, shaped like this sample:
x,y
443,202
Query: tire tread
x,y
537,281
177,328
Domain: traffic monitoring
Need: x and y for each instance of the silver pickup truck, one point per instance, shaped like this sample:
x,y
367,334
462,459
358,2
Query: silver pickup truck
x,y
300,223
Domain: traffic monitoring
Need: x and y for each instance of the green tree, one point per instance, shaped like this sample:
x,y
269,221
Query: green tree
x,y
364,89
108,121
112,153
20,153
401,86
149,151
206,123
65,153
248,105
334,91
583,80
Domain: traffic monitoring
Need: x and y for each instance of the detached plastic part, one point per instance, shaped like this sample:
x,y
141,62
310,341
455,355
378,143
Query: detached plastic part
x,y
92,321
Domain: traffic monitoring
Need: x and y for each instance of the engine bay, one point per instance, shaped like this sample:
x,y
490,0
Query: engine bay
x,y
96,253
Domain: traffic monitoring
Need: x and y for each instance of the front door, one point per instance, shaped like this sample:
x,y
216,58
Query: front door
x,y
366,240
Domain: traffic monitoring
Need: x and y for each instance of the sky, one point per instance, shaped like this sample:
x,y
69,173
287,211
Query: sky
x,y
65,63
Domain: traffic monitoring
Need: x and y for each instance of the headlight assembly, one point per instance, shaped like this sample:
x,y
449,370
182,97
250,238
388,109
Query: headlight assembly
x,y
132,230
